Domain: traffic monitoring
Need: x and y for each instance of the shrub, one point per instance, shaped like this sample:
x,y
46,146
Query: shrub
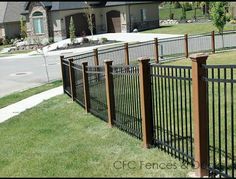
x,y
188,6
6,41
85,40
104,39
51,40
177,5
1,41
229,16
232,21
72,31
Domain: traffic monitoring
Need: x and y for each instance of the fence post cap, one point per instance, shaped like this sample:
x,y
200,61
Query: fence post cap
x,y
95,49
62,56
142,59
84,63
107,61
199,57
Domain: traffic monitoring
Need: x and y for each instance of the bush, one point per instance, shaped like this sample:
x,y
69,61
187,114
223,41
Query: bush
x,y
188,6
6,41
85,40
232,21
177,5
229,16
1,41
104,39
50,40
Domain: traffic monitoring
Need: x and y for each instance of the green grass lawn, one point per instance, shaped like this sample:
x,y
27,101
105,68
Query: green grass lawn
x,y
194,28
58,138
17,96
213,59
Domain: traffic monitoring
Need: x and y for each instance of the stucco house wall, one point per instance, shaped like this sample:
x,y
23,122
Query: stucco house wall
x,y
59,23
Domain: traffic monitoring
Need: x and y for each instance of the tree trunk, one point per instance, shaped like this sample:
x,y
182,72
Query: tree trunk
x,y
223,44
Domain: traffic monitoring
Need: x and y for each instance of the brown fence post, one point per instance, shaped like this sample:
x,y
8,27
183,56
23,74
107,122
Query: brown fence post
x,y
86,87
96,62
186,44
146,101
62,73
95,52
126,53
156,50
213,41
109,92
72,79
200,114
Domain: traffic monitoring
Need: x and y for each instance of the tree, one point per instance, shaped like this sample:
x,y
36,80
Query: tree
x,y
170,10
72,31
23,29
195,7
218,15
183,16
89,16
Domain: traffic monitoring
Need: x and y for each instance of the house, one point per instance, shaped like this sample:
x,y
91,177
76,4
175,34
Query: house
x,y
47,20
10,19
232,9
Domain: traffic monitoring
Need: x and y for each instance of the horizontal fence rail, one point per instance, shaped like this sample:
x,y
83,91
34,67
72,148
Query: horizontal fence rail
x,y
221,83
172,110
126,99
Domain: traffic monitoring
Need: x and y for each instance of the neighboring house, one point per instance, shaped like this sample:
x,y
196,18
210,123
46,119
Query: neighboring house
x,y
232,9
51,19
10,19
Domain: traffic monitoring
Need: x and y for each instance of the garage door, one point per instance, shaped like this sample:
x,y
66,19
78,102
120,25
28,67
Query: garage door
x,y
113,21
81,24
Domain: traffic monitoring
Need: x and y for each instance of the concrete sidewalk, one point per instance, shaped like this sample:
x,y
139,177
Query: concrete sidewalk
x,y
16,108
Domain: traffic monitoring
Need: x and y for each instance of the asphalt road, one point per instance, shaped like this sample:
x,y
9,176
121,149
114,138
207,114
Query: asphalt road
x,y
26,72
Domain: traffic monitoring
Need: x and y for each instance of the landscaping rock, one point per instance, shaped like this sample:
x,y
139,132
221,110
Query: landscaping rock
x,y
64,45
18,44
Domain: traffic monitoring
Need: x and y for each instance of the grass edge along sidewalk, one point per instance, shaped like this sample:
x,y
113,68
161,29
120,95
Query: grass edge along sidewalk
x,y
58,138
17,96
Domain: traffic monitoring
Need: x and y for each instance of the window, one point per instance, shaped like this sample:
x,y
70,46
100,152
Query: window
x,y
143,15
38,23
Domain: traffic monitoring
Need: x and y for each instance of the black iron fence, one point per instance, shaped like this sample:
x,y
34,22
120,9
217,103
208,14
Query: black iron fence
x,y
221,92
175,127
97,91
126,99
79,84
172,110
66,76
